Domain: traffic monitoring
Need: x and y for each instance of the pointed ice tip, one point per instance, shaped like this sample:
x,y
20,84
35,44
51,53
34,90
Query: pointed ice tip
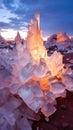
x,y
37,14
18,38
2,38
18,33
37,17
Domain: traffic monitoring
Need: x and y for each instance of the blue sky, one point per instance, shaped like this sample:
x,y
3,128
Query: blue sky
x,y
56,15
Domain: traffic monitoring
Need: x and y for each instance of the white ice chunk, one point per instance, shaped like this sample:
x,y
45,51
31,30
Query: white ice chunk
x,y
62,94
35,88
30,91
55,63
36,104
50,97
57,87
48,109
9,116
12,117
41,69
69,72
68,81
27,73
26,94
30,95
14,88
24,57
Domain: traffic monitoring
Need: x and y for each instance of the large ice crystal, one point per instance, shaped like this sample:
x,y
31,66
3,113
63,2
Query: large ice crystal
x,y
55,63
32,96
48,109
57,87
27,72
41,69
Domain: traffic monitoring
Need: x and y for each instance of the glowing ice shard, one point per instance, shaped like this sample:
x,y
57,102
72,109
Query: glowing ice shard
x,y
55,63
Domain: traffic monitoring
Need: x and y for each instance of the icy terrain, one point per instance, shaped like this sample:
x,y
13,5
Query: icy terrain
x,y
60,42
30,81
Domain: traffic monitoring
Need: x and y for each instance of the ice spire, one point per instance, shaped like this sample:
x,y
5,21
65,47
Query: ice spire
x,y
18,38
1,38
34,38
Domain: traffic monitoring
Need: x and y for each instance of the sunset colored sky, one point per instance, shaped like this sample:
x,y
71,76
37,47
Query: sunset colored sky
x,y
56,16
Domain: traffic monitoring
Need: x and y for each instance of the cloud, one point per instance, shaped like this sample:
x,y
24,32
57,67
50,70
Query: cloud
x,y
9,4
4,25
55,14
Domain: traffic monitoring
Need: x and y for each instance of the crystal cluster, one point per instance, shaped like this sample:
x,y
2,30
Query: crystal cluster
x,y
30,81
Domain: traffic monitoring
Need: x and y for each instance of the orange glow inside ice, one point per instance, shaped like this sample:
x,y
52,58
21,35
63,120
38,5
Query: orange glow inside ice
x,y
44,83
38,53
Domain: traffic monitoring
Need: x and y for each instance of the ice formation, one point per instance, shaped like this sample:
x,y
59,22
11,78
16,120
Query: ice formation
x,y
2,40
34,39
30,80
18,38
60,37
